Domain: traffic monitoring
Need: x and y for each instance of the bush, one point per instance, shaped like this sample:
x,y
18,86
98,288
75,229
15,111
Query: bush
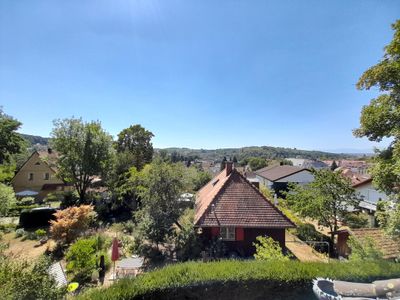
x,y
40,233
355,220
29,235
364,249
70,199
54,197
15,211
268,249
129,227
7,228
27,280
39,217
20,232
282,275
307,232
26,201
187,242
83,257
71,223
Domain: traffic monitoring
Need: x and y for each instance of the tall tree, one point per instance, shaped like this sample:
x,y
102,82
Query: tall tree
x,y
135,141
381,118
162,185
10,141
325,200
85,152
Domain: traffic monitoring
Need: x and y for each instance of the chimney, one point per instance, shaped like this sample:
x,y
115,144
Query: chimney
x,y
228,167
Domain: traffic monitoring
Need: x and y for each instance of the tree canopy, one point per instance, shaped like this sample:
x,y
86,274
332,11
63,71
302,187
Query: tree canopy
x,y
325,200
381,118
161,187
85,152
134,143
10,141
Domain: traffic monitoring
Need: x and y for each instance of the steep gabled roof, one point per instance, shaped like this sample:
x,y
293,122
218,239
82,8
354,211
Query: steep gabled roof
x,y
278,172
231,200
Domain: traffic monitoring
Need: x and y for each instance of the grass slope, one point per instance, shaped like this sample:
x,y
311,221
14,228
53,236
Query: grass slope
x,y
175,278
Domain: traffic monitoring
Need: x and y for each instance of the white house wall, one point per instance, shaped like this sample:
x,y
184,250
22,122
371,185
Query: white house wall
x,y
370,194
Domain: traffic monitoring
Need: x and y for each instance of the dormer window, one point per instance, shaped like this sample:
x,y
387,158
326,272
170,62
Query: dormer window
x,y
37,164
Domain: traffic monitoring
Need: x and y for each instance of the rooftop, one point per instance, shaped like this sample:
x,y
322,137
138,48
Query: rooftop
x,y
231,200
274,173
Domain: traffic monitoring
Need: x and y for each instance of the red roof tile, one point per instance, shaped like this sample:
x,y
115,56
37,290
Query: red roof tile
x,y
231,200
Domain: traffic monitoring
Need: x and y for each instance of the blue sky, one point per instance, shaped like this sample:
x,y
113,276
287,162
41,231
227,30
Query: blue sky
x,y
199,74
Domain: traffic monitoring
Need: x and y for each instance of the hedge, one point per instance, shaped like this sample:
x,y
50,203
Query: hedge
x,y
16,210
228,278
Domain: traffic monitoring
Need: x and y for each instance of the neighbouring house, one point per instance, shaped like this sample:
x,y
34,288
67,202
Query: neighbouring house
x,y
308,163
362,183
39,174
278,177
389,247
231,208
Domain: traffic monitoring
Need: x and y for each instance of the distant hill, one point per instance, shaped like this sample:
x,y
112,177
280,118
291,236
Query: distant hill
x,y
35,139
267,152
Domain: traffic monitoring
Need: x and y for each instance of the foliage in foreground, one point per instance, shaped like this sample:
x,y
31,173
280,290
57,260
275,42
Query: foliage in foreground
x,y
27,280
289,272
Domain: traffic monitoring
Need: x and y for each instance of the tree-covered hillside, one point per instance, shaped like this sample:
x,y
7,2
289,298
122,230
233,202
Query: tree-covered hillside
x,y
35,139
267,152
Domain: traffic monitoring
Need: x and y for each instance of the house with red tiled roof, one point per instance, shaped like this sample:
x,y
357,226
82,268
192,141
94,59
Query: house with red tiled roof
x,y
229,207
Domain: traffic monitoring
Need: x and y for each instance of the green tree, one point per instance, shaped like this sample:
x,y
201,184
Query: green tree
x,y
257,163
381,118
268,249
135,143
326,199
10,141
162,184
363,249
85,152
7,199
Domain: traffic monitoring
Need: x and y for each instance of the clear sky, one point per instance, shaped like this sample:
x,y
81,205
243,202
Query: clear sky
x,y
199,74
